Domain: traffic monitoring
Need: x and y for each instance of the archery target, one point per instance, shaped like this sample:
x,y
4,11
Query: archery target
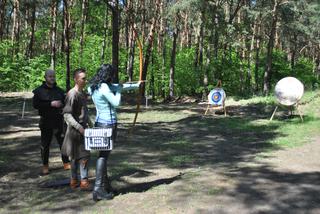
x,y
289,91
217,96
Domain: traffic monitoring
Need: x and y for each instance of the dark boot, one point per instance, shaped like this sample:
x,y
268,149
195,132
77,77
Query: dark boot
x,y
98,191
107,185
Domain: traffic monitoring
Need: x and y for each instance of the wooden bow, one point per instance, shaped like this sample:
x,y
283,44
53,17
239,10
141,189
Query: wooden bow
x,y
139,97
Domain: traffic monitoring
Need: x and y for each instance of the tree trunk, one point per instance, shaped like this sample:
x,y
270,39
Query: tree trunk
x,y
268,67
250,53
54,8
162,48
115,38
318,63
152,80
206,73
84,12
131,41
196,58
257,54
162,27
173,62
29,53
15,27
293,52
216,36
185,33
2,18
131,58
150,43
201,43
143,20
105,32
66,30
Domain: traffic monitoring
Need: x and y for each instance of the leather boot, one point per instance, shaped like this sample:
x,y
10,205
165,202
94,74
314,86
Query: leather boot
x,y
45,169
73,183
66,166
98,191
84,184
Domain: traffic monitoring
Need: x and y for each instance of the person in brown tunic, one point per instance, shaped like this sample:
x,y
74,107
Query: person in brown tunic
x,y
76,116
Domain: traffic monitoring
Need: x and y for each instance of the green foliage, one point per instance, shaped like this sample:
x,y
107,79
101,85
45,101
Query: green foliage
x,y
303,70
17,73
186,75
280,66
230,39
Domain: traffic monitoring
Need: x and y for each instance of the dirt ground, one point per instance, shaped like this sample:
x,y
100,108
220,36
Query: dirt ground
x,y
186,163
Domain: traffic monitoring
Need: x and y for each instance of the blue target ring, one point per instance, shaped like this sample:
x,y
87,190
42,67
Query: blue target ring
x,y
216,97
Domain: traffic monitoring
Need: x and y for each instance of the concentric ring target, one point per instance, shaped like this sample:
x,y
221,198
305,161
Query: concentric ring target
x,y
216,96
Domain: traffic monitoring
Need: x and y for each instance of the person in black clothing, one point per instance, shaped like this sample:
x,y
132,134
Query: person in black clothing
x,y
49,100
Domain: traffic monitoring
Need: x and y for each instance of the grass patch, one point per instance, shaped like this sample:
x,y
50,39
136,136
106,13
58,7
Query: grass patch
x,y
152,116
214,191
179,160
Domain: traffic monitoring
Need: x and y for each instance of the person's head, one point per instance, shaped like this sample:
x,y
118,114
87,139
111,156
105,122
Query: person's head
x,y
104,75
50,77
79,76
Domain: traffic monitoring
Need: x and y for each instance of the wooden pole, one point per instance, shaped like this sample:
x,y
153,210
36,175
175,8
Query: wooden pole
x,y
23,108
207,109
301,116
274,112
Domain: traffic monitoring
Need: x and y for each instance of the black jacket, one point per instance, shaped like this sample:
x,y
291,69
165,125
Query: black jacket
x,y
43,96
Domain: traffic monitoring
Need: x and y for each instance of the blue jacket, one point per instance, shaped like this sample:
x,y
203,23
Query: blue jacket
x,y
106,99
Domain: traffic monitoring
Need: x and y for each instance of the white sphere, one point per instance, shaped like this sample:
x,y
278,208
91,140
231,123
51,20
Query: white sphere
x,y
289,91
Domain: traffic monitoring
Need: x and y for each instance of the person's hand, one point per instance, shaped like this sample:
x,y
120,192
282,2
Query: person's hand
x,y
56,104
81,130
120,86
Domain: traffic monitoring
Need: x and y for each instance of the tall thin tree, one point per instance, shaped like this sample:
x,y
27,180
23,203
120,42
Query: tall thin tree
x,y
53,33
66,30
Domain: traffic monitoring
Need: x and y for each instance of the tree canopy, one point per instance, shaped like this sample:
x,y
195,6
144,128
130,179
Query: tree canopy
x,y
188,45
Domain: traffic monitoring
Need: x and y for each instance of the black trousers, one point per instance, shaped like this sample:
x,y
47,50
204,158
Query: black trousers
x,y
46,137
105,154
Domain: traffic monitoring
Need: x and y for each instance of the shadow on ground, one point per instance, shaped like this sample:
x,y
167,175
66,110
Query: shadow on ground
x,y
217,143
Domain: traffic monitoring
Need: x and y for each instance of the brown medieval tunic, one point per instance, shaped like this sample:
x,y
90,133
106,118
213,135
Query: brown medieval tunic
x,y
76,115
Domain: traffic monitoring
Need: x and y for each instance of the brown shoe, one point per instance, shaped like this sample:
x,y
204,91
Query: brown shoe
x,y
73,183
84,184
67,166
45,169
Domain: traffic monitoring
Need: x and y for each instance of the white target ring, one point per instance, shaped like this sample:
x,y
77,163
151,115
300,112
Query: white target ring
x,y
289,91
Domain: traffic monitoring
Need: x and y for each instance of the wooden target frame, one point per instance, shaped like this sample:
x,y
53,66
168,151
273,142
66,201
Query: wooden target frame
x,y
291,109
287,103
213,107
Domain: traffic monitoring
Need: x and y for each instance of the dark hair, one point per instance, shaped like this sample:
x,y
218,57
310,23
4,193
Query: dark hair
x,y
78,71
104,75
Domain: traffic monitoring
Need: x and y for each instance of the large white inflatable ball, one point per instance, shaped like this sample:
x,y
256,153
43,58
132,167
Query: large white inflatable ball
x,y
289,91
217,97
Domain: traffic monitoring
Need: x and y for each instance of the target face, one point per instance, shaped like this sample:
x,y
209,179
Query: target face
x,y
217,96
289,91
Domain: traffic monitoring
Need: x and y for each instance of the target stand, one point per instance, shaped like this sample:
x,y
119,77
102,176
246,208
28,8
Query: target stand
x,y
216,101
288,92
296,106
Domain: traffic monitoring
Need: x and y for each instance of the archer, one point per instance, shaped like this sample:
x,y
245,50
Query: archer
x,y
106,97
